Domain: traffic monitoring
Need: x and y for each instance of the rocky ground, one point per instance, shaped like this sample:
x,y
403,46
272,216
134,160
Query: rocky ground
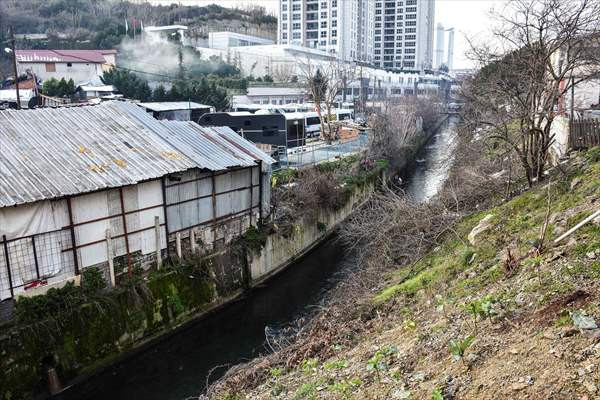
x,y
492,313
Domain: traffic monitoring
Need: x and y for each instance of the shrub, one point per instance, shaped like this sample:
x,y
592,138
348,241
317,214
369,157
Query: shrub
x,y
92,281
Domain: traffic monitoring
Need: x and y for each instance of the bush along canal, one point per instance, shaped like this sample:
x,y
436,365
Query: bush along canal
x,y
145,339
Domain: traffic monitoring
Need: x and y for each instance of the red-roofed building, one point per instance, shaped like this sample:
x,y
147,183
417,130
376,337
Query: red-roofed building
x,y
79,65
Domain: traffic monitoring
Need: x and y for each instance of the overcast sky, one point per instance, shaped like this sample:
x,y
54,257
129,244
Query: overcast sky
x,y
467,17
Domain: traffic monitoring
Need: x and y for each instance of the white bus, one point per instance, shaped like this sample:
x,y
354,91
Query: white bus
x,y
313,124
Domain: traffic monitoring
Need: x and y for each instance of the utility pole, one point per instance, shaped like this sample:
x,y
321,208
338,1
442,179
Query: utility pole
x,y
14,57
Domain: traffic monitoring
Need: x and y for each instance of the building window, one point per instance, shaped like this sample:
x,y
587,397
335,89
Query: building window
x,y
296,7
284,35
411,16
411,9
323,34
323,24
296,35
323,4
284,7
323,14
334,13
334,3
50,67
334,33
334,23
284,26
410,30
296,26
333,41
284,16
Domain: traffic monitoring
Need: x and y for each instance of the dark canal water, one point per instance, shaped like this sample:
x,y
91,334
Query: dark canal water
x,y
177,367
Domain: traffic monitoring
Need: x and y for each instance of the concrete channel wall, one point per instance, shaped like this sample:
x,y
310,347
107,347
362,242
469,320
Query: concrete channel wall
x,y
281,251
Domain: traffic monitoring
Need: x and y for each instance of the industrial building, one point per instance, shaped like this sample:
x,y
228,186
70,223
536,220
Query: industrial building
x,y
224,40
73,177
177,110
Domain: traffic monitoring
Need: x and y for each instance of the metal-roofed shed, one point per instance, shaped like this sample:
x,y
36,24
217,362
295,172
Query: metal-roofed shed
x,y
177,110
70,175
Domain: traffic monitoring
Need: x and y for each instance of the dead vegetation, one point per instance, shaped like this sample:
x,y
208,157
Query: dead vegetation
x,y
389,232
453,322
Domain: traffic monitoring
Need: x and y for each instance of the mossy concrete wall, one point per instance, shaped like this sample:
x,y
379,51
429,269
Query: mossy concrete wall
x,y
282,250
105,328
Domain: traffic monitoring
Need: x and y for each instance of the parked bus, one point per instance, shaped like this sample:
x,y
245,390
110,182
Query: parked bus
x,y
313,124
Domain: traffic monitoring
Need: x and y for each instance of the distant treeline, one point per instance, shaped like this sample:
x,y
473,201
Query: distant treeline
x,y
203,90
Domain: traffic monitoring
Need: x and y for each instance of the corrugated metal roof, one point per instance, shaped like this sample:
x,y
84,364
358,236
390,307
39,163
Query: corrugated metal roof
x,y
62,56
172,106
49,153
214,148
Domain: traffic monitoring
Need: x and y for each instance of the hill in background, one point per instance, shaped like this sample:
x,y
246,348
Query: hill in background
x,y
100,24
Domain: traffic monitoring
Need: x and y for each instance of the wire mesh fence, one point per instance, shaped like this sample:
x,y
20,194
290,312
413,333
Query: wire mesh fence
x,y
318,152
33,260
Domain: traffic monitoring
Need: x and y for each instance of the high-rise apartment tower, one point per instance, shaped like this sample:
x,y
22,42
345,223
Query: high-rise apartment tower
x,y
340,27
392,34
404,34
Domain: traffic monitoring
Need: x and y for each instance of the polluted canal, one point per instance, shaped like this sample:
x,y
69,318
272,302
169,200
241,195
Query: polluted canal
x,y
180,366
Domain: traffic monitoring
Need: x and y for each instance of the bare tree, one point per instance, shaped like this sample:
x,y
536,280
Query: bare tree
x,y
325,82
396,128
283,72
541,49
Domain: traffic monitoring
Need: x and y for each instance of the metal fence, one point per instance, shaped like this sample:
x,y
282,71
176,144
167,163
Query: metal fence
x,y
32,260
584,133
315,153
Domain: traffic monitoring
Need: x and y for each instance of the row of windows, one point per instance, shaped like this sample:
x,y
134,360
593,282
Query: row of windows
x,y
313,34
309,35
391,32
309,6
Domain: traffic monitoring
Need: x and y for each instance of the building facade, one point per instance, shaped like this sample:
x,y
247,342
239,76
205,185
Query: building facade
x,y
404,34
79,65
225,40
392,34
339,27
